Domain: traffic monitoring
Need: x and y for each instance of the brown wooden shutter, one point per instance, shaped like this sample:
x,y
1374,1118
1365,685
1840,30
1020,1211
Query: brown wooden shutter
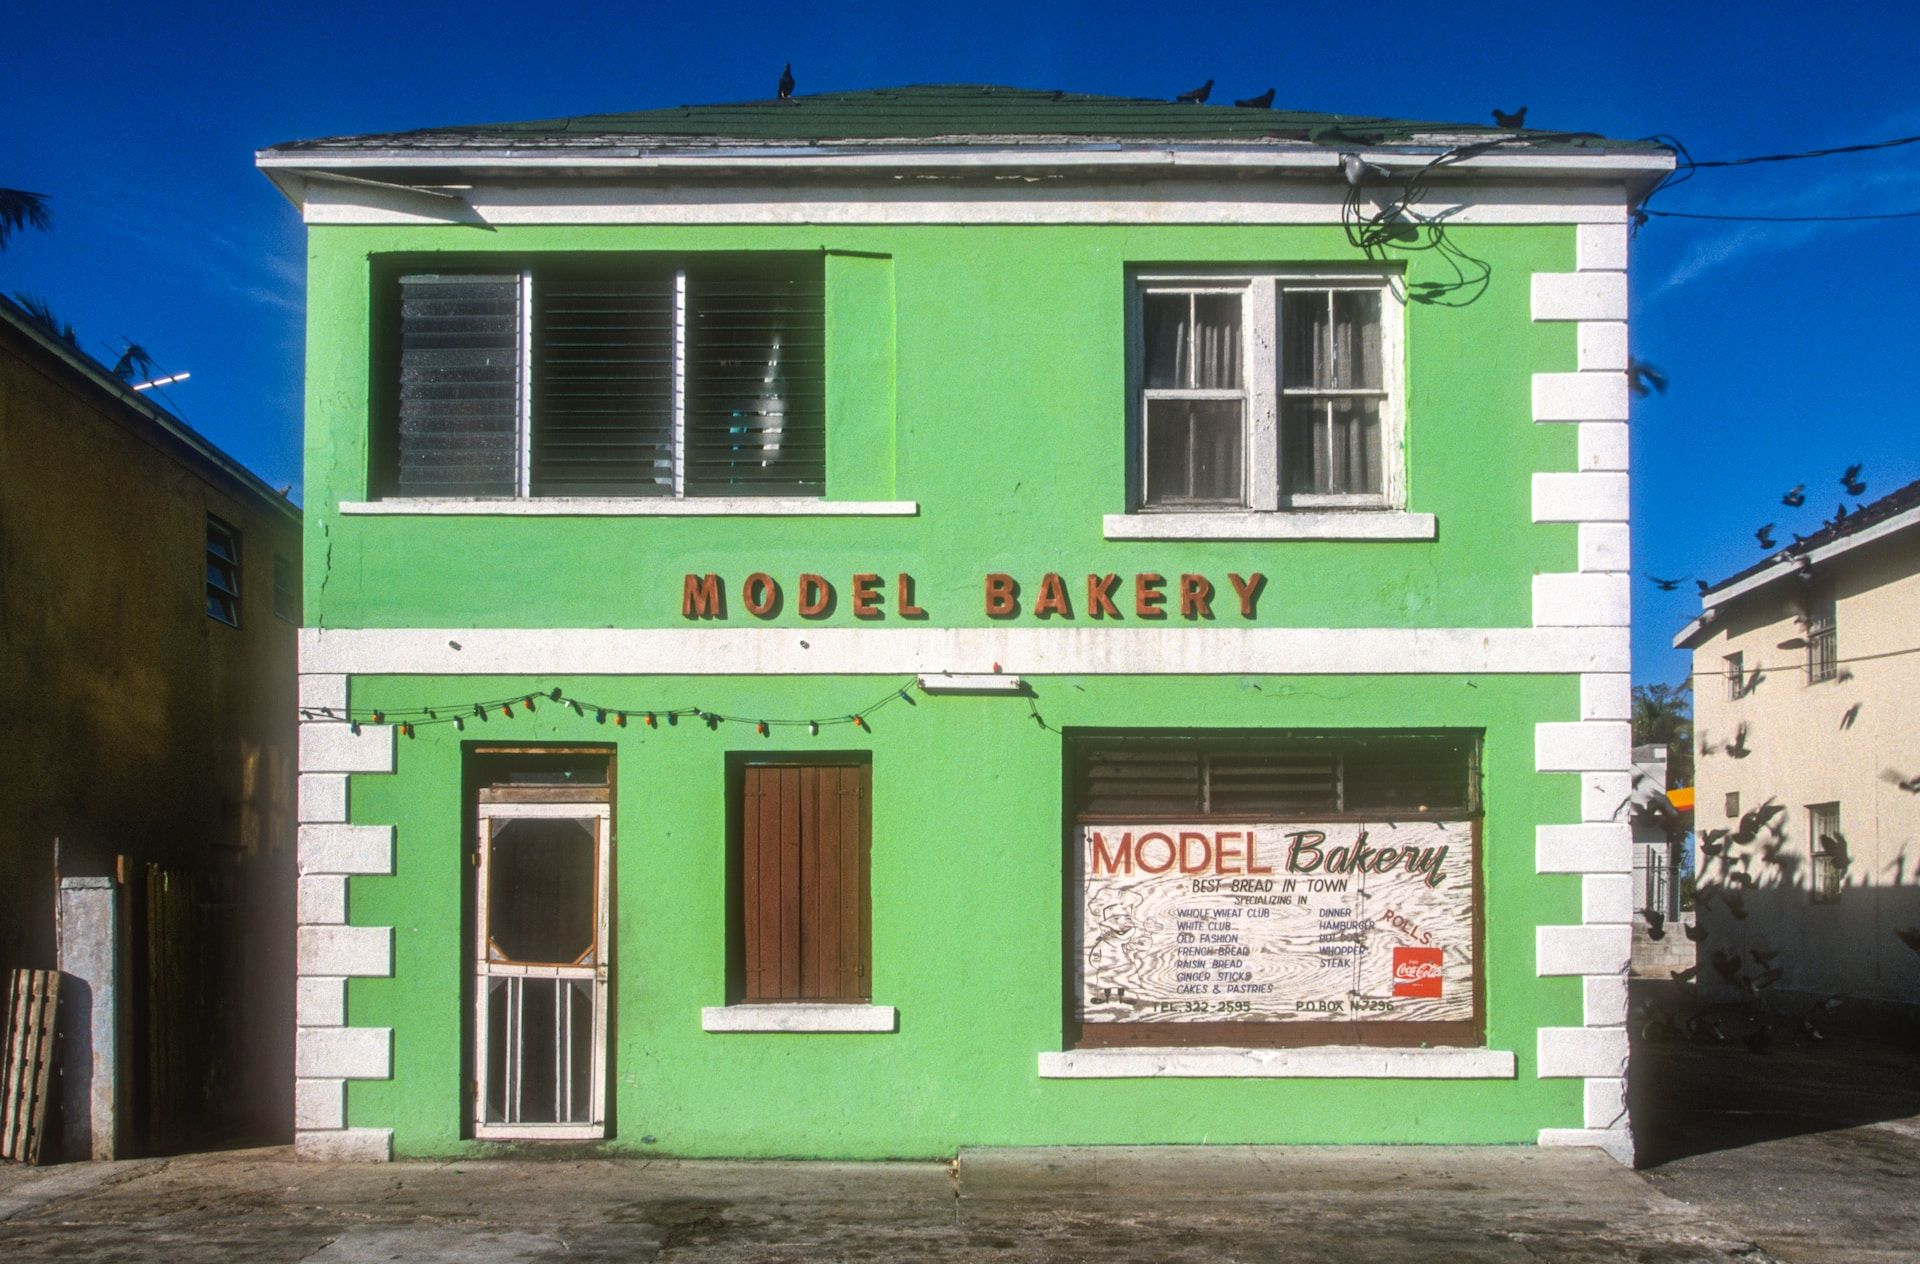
x,y
806,832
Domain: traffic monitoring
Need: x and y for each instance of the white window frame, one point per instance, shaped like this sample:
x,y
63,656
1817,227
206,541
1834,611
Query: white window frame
x,y
1823,818
1260,378
485,970
1736,676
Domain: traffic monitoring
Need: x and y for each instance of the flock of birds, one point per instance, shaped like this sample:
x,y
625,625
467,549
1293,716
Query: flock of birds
x,y
1197,96
1756,970
1794,498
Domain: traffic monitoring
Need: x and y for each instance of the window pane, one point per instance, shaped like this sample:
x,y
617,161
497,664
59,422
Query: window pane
x,y
1356,339
603,383
1355,447
1216,341
1330,447
756,380
540,890
1302,423
1194,451
459,386
1165,317
1306,339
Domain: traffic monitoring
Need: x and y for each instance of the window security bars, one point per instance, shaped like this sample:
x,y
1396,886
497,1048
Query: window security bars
x,y
1822,649
1827,874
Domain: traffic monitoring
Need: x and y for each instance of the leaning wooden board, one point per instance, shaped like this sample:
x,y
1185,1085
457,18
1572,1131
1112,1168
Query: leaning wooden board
x,y
33,1003
1276,923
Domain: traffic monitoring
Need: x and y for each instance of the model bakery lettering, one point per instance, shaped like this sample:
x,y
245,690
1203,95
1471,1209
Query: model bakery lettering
x,y
1223,853
1145,595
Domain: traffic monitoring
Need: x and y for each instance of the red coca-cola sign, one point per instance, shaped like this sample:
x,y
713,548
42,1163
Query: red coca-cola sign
x,y
1416,971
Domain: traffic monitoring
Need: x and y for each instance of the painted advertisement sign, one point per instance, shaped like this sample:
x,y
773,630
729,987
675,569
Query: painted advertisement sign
x,y
1277,923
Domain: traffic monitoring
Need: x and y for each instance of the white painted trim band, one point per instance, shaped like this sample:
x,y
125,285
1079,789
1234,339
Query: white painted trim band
x,y
799,1017
721,650
1339,1062
631,507
1291,524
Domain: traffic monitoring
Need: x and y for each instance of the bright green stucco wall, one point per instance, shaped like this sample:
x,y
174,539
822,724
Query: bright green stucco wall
x,y
1006,389
967,875
979,372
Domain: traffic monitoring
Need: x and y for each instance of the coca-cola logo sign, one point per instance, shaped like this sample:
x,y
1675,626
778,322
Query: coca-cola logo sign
x,y
1416,971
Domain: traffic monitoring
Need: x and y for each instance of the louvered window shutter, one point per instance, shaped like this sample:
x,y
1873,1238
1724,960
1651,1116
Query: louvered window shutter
x,y
603,383
756,380
459,386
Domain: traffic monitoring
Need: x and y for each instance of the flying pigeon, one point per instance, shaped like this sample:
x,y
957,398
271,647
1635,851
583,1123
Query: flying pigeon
x,y
1765,536
1795,498
1852,481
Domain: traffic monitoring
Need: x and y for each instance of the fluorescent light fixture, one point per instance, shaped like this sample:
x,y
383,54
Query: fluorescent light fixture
x,y
977,682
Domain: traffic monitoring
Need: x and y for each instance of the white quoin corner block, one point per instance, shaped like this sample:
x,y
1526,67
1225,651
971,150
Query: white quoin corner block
x,y
1580,397
1604,998
337,748
1606,1102
1565,950
1600,247
321,899
338,848
1603,345
348,1053
1591,848
323,797
1583,746
344,1145
319,1103
355,951
1594,496
1579,599
1605,546
1606,696
1606,898
1604,795
320,1001
323,691
1582,1052
1580,296
1604,446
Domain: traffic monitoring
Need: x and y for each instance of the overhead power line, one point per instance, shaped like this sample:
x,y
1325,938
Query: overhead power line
x,y
1861,148
1785,219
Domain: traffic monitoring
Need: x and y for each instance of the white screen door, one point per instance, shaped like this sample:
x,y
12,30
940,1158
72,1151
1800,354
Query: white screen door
x,y
540,1020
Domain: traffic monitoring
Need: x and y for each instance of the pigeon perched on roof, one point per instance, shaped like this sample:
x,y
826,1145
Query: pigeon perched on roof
x,y
786,83
1196,96
1516,119
1262,102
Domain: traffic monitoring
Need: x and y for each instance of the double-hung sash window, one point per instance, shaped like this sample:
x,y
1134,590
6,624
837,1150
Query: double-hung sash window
x,y
1822,642
1266,392
612,378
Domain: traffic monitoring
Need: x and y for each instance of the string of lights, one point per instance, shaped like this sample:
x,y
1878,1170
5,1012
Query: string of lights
x,y
488,710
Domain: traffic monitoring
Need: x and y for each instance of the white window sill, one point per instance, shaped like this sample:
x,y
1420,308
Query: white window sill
x,y
1331,1062
799,1016
1279,524
636,506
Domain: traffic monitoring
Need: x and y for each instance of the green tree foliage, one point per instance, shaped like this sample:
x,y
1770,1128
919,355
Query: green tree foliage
x,y
1663,715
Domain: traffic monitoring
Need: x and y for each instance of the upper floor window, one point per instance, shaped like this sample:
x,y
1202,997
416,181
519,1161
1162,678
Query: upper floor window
x,y
1736,676
1822,663
1267,391
223,572
612,377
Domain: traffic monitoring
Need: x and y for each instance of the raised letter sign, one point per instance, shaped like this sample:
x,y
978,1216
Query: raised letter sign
x,y
701,598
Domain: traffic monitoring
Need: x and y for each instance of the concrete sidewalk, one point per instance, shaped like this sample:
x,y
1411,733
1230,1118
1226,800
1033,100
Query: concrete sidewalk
x,y
1215,1204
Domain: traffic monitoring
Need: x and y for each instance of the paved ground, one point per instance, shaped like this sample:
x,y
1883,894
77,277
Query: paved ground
x,y
1804,1155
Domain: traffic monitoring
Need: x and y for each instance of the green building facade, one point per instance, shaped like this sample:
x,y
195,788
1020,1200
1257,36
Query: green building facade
x,y
857,627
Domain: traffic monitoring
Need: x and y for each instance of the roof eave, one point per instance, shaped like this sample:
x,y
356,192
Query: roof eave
x,y
1792,564
1636,169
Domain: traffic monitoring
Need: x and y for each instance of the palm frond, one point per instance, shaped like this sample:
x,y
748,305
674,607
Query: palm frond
x,y
133,360
21,209
41,313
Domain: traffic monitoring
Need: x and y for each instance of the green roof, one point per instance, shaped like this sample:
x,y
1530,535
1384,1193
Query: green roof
x,y
956,114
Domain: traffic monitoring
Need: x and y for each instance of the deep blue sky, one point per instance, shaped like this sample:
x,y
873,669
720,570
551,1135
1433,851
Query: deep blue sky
x,y
1789,347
